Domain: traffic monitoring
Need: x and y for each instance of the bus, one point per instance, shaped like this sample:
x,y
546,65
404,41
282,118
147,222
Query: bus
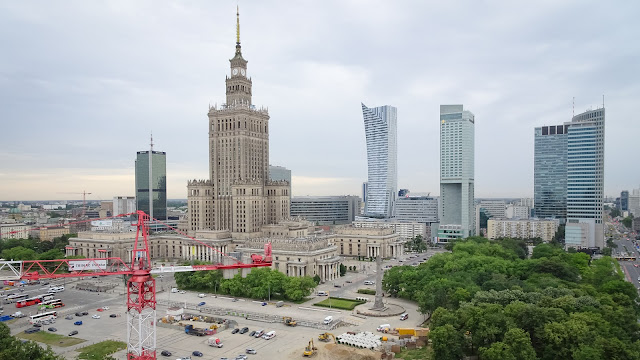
x,y
51,304
28,302
15,298
46,297
43,317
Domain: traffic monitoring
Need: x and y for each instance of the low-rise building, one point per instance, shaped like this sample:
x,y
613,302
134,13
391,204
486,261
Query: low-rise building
x,y
405,230
14,231
369,242
522,229
49,233
326,210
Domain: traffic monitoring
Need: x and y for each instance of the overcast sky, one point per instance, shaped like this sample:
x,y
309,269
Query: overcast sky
x,y
83,83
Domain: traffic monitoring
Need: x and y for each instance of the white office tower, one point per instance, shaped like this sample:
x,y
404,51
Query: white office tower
x,y
457,209
380,125
585,180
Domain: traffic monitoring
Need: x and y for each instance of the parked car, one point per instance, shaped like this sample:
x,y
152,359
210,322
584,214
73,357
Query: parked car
x,y
37,325
77,323
96,316
183,292
202,303
258,333
196,353
235,331
69,317
251,351
100,310
32,330
244,330
165,353
113,315
78,314
252,333
52,329
337,285
74,332
105,308
348,281
85,313
241,357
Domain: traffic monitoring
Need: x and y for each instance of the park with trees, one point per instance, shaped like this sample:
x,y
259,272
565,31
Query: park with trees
x,y
491,300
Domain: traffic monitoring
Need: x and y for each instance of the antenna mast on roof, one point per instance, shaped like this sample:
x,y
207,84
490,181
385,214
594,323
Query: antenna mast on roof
x,y
573,111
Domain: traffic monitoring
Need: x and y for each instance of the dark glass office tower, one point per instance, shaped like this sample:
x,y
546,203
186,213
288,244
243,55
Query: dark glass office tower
x,y
550,172
158,183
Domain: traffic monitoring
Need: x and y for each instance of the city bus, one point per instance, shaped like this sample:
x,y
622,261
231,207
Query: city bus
x,y
28,302
51,304
45,297
15,298
43,317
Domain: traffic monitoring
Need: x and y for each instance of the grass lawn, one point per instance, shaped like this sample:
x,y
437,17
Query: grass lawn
x,y
339,303
101,349
51,338
417,354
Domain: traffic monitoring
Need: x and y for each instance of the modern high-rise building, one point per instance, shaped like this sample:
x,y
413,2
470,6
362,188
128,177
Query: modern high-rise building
x,y
550,172
279,173
457,212
380,125
239,195
624,200
585,180
151,178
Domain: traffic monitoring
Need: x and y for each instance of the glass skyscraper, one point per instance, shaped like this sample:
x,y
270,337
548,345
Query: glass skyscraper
x,y
158,183
550,172
380,125
585,180
457,157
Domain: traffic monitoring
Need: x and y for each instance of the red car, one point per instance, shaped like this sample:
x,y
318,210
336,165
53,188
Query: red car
x,y
101,309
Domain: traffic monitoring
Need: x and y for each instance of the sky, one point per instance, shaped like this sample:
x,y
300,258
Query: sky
x,y
84,83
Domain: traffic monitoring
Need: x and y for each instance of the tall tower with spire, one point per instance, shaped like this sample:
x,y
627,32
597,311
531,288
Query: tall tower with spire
x,y
239,196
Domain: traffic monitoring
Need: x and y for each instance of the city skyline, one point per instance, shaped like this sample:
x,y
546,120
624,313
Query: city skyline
x,y
74,117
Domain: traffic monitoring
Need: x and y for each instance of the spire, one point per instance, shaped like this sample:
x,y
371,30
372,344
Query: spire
x,y
238,25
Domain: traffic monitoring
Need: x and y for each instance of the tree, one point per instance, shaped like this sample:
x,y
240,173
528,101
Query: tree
x,y
627,222
447,343
316,279
343,270
614,213
12,348
19,253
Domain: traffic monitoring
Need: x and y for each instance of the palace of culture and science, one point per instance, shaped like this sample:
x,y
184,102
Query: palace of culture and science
x,y
238,196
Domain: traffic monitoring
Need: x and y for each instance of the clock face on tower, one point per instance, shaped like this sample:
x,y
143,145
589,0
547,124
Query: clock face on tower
x,y
242,72
235,72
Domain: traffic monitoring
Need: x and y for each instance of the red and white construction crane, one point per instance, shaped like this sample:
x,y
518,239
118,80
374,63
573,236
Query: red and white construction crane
x,y
141,286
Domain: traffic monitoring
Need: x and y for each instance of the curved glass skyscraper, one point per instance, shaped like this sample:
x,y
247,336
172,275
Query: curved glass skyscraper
x,y
380,126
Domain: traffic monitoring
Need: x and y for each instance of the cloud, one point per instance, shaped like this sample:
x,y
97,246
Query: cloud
x,y
83,84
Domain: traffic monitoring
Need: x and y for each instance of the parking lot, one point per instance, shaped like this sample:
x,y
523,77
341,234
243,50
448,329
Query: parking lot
x,y
288,343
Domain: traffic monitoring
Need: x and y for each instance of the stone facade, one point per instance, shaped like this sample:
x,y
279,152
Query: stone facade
x,y
48,234
14,231
368,242
239,195
308,256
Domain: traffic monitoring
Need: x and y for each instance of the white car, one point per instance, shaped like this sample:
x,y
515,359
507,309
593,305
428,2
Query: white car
x,y
105,308
96,316
183,292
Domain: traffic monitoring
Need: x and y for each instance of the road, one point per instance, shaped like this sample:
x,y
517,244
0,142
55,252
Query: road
x,y
626,246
